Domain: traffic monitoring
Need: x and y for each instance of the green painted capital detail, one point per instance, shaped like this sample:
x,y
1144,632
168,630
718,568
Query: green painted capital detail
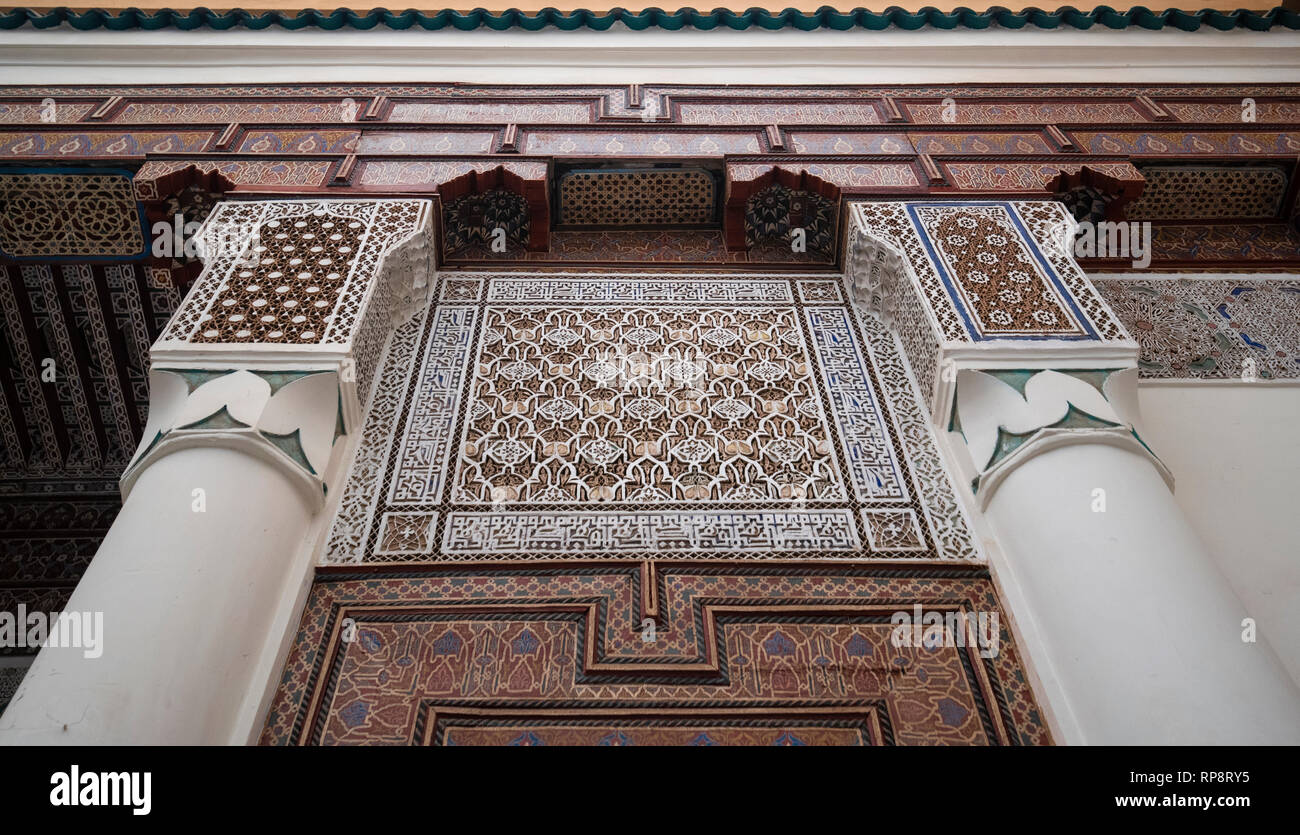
x,y
298,413
998,411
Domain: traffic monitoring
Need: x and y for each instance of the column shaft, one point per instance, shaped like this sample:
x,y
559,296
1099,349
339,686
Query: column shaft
x,y
1140,629
188,600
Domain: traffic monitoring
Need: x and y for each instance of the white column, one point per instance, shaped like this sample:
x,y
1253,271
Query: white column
x,y
1142,634
196,581
187,598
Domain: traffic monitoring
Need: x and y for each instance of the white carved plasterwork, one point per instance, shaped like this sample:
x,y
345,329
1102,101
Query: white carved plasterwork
x,y
747,533
969,284
275,348
276,251
364,487
647,405
619,416
878,277
311,279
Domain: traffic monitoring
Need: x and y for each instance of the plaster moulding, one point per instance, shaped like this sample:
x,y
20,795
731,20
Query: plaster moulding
x,y
620,55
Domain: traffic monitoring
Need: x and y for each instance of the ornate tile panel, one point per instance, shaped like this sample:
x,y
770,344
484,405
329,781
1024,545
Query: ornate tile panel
x,y
601,404
1042,219
983,273
994,272
1209,192
615,416
637,197
1211,329
366,480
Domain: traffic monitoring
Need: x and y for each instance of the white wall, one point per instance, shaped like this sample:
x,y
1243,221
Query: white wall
x,y
1234,449
622,56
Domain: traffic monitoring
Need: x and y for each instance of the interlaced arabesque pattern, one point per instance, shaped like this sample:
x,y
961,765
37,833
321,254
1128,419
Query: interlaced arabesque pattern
x,y
519,426
68,215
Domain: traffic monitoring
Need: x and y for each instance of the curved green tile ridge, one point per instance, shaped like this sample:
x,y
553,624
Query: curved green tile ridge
x,y
687,18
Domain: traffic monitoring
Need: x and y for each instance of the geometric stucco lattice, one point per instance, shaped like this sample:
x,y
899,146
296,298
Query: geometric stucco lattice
x,y
69,213
1210,192
307,265
633,197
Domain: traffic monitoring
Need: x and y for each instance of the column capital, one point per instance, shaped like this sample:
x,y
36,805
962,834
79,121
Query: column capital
x,y
291,418
275,348
969,284
1006,416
